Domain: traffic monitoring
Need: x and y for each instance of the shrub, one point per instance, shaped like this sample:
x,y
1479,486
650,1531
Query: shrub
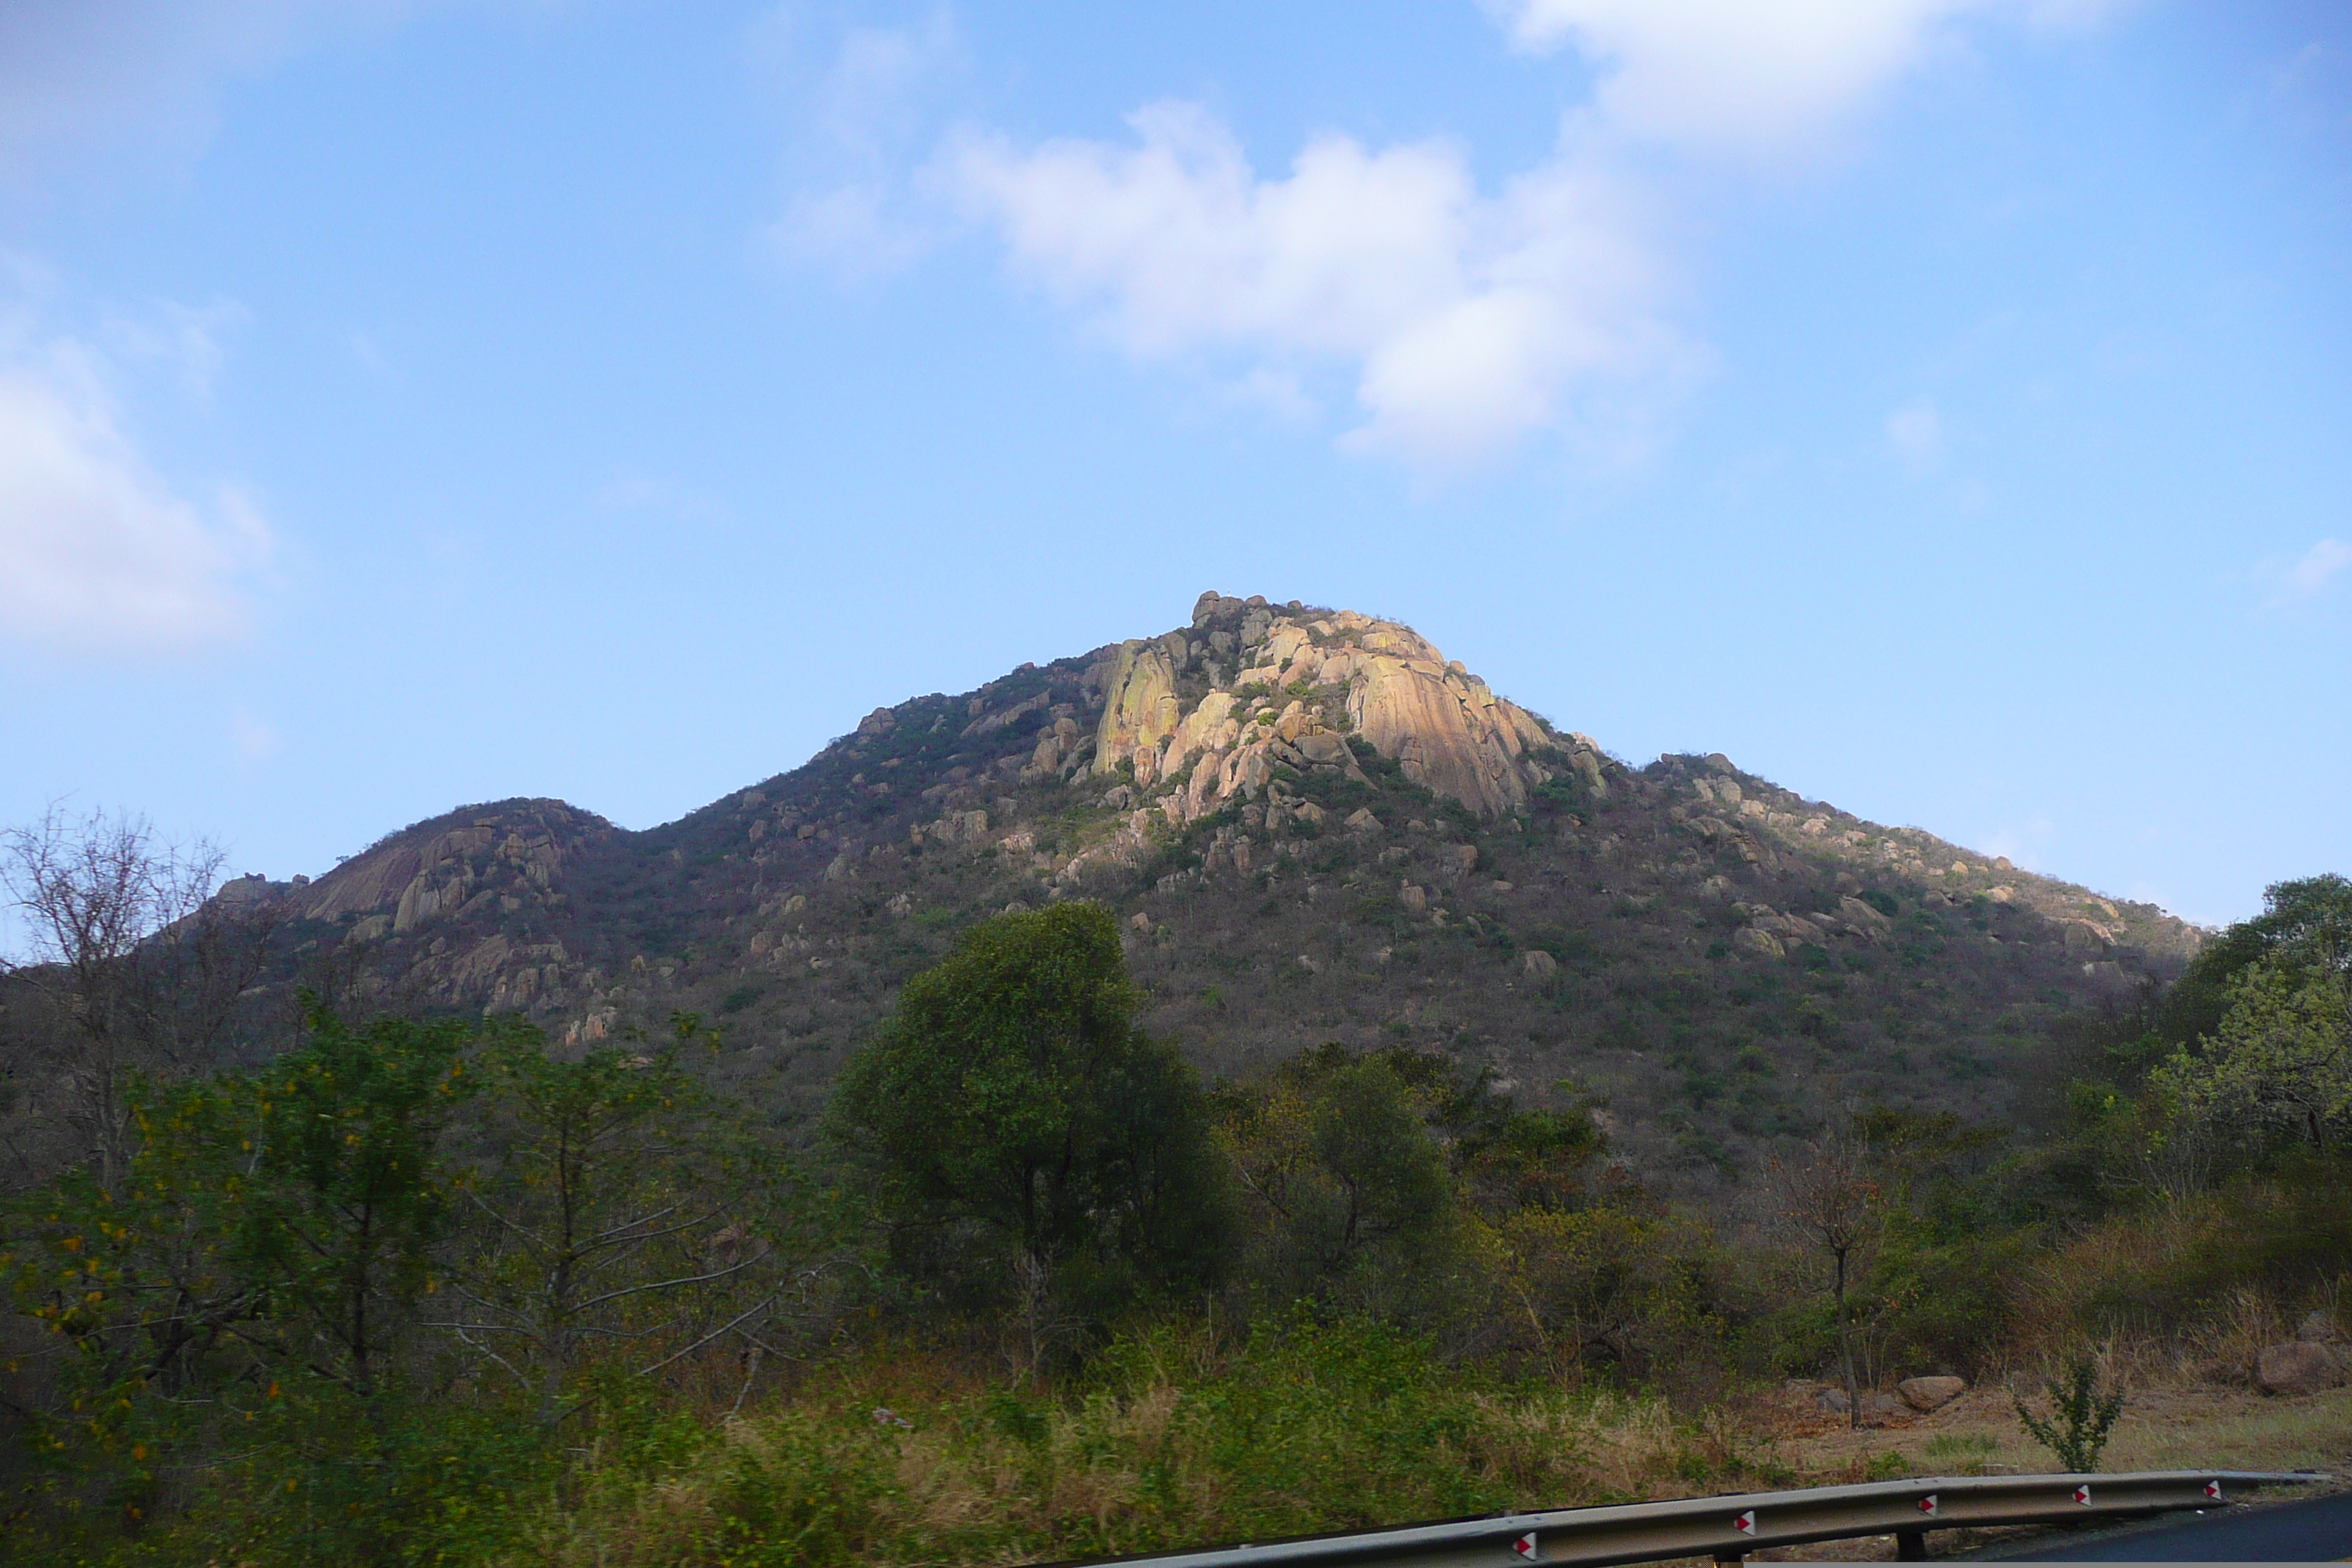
x,y
2080,1417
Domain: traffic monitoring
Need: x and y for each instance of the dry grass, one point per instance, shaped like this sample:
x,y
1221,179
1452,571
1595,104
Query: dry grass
x,y
2168,1426
1329,1430
2164,1427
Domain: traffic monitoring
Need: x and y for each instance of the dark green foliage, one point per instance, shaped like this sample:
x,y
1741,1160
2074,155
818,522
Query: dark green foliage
x,y
254,1338
1011,1110
2308,923
1347,1188
599,1247
349,1201
2080,1418
256,1275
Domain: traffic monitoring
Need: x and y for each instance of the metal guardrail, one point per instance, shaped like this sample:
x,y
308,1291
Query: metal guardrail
x,y
1729,1528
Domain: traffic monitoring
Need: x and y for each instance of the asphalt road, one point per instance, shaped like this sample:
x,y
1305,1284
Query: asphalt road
x,y
2317,1530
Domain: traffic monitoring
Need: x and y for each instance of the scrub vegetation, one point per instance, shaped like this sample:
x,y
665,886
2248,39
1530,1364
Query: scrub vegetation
x,y
431,1289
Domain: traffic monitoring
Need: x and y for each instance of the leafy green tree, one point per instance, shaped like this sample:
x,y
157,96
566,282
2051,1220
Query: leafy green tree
x,y
1349,1190
1022,1129
2281,1059
249,1278
1599,1288
351,1200
1516,1159
2305,923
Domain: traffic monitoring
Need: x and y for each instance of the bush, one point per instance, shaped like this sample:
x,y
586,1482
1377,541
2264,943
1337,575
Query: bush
x,y
2080,1418
1173,1439
2165,1268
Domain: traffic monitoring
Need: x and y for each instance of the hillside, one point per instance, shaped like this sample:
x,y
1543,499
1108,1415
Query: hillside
x,y
1313,827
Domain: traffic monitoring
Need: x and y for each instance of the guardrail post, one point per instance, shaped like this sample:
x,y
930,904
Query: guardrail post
x,y
1910,1546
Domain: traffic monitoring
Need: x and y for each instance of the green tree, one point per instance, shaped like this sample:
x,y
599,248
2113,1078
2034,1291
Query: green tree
x,y
1350,1189
353,1198
2306,923
610,1202
248,1280
2281,1060
1026,1134
1602,1289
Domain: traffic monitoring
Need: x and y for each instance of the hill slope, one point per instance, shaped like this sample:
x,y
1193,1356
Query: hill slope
x,y
1315,829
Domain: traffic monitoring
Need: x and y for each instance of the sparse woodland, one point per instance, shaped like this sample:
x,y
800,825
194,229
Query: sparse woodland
x,y
1225,1190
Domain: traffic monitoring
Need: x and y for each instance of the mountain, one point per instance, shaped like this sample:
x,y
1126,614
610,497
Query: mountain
x,y
1313,827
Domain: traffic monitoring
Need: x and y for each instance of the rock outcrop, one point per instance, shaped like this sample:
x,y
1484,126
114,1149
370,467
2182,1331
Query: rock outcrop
x,y
1201,718
514,850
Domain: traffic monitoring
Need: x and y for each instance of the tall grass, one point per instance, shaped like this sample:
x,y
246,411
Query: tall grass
x,y
1172,1440
2223,1265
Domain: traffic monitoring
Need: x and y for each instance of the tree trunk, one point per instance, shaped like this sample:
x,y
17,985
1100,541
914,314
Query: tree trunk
x,y
1845,1352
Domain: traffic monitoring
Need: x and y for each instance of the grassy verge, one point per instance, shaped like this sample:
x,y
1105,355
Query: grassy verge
x,y
902,1459
2168,1427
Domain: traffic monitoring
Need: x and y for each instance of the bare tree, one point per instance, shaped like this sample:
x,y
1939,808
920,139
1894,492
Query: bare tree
x,y
1826,1196
612,1205
133,966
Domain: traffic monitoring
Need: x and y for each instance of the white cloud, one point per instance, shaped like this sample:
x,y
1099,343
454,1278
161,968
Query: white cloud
x,y
1466,316
96,555
140,77
1748,81
2318,566
1732,76
869,107
2021,845
1916,431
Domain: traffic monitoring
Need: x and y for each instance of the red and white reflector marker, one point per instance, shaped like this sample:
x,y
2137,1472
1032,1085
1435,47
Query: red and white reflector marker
x,y
1746,1523
1928,1505
2082,1495
1526,1546
2213,1490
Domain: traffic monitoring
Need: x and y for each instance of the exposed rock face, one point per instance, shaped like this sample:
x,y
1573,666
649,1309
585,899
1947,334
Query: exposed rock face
x,y
1445,729
516,850
1311,679
1139,711
1926,1394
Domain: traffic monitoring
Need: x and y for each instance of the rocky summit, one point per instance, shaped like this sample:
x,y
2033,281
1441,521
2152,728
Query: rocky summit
x,y
1313,827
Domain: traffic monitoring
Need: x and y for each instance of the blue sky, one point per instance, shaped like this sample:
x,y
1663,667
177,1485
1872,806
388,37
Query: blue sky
x,y
1939,406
